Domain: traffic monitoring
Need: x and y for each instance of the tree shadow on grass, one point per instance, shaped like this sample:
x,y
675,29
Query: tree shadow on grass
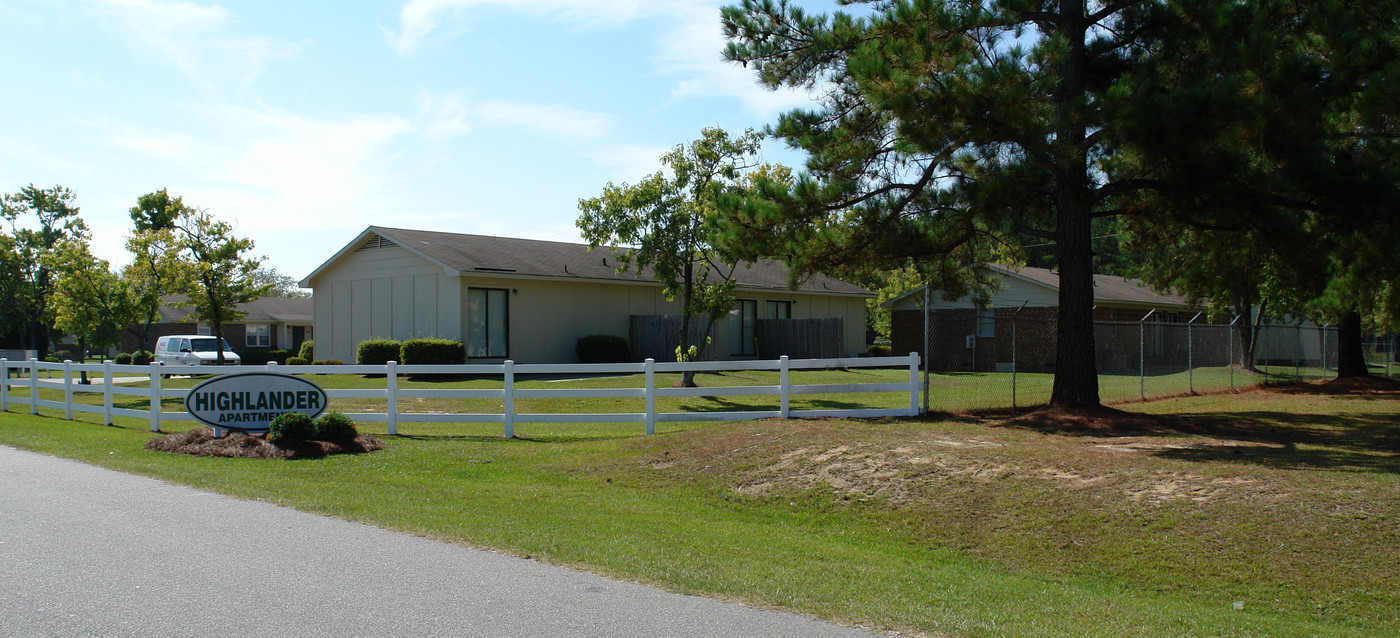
x,y
1358,441
1362,442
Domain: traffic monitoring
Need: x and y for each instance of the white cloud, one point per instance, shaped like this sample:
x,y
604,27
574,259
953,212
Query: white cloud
x,y
548,119
688,48
193,38
631,161
693,50
418,18
445,116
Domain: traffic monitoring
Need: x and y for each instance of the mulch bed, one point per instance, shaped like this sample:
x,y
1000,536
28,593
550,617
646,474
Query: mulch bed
x,y
202,442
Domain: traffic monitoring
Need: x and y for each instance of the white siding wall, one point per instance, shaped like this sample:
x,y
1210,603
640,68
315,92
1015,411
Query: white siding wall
x,y
395,294
383,293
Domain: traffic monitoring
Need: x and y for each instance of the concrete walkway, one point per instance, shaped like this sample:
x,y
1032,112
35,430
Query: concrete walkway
x,y
86,551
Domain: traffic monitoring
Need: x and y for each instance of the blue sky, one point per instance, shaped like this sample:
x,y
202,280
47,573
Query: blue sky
x,y
305,122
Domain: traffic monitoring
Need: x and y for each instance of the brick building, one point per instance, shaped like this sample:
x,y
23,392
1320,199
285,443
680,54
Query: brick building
x,y
270,323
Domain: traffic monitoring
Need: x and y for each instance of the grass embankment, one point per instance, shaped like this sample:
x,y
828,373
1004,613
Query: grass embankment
x,y
1285,501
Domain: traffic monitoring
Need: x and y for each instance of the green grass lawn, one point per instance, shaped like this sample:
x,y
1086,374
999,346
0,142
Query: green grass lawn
x,y
1284,500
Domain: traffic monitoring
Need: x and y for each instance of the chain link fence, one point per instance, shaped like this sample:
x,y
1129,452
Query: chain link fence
x,y
1005,357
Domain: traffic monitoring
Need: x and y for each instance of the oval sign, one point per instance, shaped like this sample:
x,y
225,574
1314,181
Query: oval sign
x,y
249,401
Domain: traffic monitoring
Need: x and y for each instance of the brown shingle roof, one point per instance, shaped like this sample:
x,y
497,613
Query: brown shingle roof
x,y
1107,288
536,258
264,310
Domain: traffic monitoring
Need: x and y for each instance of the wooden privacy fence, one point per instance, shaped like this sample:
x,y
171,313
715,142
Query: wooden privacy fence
x,y
800,338
656,336
508,393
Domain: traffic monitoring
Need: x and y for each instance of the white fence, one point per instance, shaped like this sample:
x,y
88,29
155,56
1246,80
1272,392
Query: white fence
x,y
508,393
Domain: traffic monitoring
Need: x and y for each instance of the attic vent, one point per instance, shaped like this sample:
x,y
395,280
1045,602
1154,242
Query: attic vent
x,y
376,243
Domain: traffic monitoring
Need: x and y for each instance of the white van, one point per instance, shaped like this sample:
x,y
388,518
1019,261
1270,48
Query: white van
x,y
193,350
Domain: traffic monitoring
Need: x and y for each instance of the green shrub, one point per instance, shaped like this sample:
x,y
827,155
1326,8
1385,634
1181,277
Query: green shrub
x,y
602,349
296,361
123,359
433,352
377,352
290,428
336,428
141,358
307,351
879,351
262,357
328,362
51,359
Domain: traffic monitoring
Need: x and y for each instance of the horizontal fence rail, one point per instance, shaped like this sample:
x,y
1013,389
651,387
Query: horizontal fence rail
x,y
68,373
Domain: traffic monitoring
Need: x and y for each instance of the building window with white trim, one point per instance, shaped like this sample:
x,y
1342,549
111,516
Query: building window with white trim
x,y
259,335
203,330
779,310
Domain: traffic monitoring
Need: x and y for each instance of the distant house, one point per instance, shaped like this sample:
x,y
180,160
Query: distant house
x,y
966,337
271,323
531,301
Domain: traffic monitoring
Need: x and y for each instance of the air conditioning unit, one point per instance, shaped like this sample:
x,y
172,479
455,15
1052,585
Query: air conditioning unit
x,y
971,341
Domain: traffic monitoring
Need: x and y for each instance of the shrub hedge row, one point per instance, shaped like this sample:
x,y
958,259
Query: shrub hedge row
x,y
432,352
377,352
602,349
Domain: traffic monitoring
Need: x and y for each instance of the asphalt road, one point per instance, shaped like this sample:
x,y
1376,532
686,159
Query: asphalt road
x,y
86,551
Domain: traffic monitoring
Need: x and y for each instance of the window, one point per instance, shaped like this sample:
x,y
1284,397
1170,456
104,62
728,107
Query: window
x,y
259,335
488,323
741,324
779,310
986,323
203,330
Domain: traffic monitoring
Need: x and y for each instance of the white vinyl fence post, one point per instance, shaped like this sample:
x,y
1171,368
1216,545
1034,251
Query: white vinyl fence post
x,y
5,384
391,406
107,392
68,389
508,405
914,384
33,386
784,386
155,396
651,395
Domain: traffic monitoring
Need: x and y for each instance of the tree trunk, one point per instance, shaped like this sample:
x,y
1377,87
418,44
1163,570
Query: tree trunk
x,y
1076,375
1351,359
219,341
1248,334
687,377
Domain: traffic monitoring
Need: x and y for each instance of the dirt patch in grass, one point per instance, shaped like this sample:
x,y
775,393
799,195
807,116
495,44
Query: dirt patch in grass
x,y
202,442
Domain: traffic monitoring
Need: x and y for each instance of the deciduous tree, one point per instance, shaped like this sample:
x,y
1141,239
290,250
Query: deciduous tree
x,y
663,225
33,241
222,274
157,267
